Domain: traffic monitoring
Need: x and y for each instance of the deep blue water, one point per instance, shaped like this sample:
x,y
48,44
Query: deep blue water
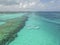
x,y
40,29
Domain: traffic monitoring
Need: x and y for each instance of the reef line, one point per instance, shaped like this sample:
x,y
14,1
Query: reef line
x,y
8,31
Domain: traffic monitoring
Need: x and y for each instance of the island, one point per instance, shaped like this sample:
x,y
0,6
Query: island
x,y
9,30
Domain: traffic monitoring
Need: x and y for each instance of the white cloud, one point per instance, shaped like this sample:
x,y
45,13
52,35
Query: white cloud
x,y
9,8
18,5
32,3
25,6
42,6
1,5
52,1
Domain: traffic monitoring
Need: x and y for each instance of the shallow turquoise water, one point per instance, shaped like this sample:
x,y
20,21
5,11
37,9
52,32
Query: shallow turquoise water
x,y
37,31
2,23
47,33
9,16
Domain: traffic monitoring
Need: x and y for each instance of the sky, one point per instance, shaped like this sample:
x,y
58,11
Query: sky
x,y
29,5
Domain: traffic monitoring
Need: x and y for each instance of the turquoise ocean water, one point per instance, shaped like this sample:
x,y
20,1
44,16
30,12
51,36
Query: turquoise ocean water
x,y
40,29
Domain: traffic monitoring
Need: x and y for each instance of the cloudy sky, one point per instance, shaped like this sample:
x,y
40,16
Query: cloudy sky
x,y
29,5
